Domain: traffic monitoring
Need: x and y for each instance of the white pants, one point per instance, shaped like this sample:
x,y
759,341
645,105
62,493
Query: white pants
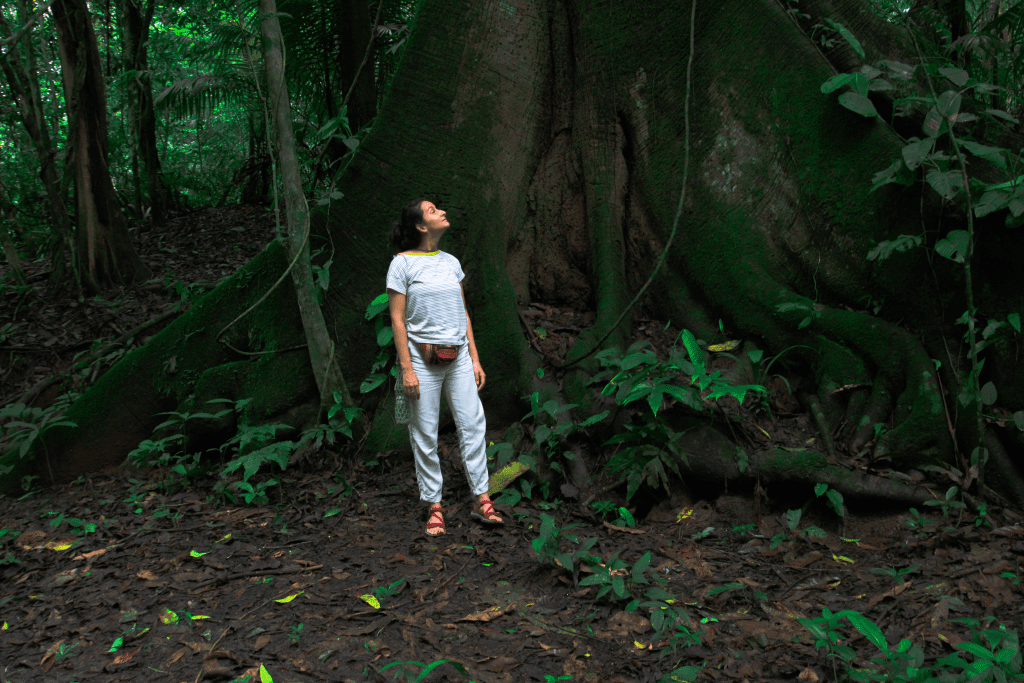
x,y
457,383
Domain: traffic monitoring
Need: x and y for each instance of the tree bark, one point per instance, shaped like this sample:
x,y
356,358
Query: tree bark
x,y
552,133
105,252
24,85
135,21
322,352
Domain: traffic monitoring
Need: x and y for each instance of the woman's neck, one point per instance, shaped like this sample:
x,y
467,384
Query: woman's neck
x,y
428,245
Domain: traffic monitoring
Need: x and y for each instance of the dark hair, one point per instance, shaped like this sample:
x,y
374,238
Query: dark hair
x,y
404,235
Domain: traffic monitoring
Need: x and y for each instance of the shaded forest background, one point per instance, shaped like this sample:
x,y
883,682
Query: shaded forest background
x,y
122,116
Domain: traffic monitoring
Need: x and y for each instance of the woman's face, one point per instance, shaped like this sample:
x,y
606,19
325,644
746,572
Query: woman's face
x,y
433,218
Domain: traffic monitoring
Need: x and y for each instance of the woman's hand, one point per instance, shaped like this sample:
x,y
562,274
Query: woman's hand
x,y
478,374
410,384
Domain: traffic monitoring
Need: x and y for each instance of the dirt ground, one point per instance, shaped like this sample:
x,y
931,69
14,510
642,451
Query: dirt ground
x,y
118,577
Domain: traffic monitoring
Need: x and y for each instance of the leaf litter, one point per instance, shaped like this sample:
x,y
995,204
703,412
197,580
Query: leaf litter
x,y
369,589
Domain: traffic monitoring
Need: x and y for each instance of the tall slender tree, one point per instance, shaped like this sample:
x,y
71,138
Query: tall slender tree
x,y
105,252
326,369
135,19
22,77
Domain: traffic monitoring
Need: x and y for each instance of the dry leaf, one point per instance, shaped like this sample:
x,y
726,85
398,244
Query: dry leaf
x,y
490,613
125,657
261,643
896,590
50,657
147,575
91,554
808,675
176,656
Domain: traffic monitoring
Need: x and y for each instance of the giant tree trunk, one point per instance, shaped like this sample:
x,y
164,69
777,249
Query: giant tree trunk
x,y
142,118
552,132
106,255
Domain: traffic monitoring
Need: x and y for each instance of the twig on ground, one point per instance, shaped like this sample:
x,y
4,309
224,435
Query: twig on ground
x,y
451,578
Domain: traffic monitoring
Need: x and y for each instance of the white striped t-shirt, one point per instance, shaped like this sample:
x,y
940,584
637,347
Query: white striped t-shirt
x,y
434,310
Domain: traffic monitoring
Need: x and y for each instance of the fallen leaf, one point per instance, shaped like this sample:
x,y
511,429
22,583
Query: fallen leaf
x,y
196,553
147,575
627,529
490,613
896,590
168,617
50,657
726,346
175,657
90,554
371,601
126,657
62,544
260,643
808,675
290,597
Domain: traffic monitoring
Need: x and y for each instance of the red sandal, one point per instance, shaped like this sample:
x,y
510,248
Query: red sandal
x,y
483,511
435,520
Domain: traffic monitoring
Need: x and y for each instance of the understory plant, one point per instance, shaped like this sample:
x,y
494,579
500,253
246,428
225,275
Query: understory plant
x,y
247,451
649,450
956,107
992,654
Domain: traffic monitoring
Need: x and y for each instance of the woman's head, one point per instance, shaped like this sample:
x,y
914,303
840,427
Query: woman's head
x,y
418,215
404,235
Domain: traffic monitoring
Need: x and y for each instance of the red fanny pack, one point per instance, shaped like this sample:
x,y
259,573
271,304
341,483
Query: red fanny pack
x,y
439,354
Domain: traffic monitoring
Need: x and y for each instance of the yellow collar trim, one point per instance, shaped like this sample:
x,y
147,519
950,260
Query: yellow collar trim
x,y
425,253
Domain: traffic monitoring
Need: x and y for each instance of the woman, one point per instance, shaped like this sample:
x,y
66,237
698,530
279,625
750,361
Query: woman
x,y
436,353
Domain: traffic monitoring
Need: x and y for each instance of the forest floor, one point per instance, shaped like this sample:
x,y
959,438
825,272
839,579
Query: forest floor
x,y
119,576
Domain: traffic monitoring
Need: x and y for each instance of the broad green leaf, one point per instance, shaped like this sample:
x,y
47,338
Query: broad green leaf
x,y
372,382
976,650
820,489
993,200
685,674
934,123
429,668
385,336
692,348
916,152
946,183
640,567
988,393
836,499
949,104
265,675
953,246
835,83
377,305
1000,114
958,76
847,36
594,419
858,104
1014,320
793,518
635,359
868,629
995,155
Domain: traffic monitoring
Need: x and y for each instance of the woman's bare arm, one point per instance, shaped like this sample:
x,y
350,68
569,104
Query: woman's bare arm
x,y
396,305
